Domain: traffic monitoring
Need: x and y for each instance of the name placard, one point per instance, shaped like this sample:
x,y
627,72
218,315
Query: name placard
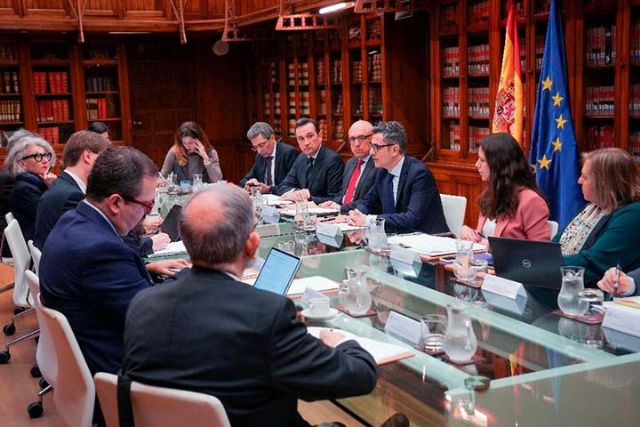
x,y
270,214
404,255
403,327
622,318
501,286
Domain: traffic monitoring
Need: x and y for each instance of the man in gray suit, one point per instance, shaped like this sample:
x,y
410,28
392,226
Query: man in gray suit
x,y
359,173
627,283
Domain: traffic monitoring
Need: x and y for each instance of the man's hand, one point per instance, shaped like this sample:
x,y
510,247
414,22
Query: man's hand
x,y
331,338
167,267
356,218
607,282
297,195
264,188
330,205
160,241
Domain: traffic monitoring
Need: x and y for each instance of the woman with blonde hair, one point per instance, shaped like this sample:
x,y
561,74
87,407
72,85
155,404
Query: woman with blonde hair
x,y
192,154
607,231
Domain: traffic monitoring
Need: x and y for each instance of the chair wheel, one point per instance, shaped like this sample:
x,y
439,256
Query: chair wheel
x,y
18,310
35,409
35,372
43,383
5,356
9,329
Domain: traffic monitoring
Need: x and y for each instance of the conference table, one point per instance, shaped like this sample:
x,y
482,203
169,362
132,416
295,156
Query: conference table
x,y
532,367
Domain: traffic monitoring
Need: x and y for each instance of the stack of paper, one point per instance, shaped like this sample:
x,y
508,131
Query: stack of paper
x,y
273,200
426,244
173,248
633,302
382,352
317,283
312,211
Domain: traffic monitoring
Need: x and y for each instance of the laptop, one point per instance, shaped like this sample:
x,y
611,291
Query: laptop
x,y
171,224
534,264
278,271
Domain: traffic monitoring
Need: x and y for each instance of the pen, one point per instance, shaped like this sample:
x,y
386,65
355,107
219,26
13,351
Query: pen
x,y
616,281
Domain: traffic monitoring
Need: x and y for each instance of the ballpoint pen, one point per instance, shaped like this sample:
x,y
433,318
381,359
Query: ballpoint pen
x,y
616,281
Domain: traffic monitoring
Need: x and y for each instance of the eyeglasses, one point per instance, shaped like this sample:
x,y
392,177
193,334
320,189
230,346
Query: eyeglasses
x,y
259,146
148,206
376,147
39,157
360,138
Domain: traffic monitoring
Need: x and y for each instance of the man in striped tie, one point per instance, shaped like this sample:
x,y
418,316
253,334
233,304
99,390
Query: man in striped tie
x,y
360,171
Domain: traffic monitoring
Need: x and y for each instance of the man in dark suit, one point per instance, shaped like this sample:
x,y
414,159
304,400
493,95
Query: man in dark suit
x,y
87,271
317,172
404,194
242,345
273,159
359,172
80,152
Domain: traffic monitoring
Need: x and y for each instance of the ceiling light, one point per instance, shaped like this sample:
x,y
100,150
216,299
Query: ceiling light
x,y
336,7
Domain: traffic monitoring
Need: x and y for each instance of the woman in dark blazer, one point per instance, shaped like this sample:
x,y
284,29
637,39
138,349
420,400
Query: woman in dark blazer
x,y
607,231
29,161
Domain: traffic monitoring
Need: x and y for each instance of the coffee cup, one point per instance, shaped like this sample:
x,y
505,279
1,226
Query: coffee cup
x,y
319,306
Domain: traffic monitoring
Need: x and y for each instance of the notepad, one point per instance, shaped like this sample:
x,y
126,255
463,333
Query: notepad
x,y
272,199
317,283
382,352
426,244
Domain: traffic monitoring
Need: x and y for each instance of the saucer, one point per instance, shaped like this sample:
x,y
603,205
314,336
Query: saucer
x,y
330,315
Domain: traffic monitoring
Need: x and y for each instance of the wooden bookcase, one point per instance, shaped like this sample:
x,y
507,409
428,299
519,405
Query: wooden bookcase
x,y
342,75
55,87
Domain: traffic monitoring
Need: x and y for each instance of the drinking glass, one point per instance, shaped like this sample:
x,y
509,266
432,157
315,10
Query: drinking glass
x,y
301,217
377,235
432,330
592,299
287,246
464,257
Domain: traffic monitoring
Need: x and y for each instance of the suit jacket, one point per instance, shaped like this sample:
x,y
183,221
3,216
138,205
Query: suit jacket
x,y
208,333
529,221
614,240
24,201
285,156
324,180
418,204
90,274
365,182
63,195
7,181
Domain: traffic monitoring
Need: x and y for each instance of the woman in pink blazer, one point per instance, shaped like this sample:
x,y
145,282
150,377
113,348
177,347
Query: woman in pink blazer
x,y
510,205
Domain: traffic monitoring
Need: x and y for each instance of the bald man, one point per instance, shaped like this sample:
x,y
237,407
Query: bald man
x,y
242,345
359,173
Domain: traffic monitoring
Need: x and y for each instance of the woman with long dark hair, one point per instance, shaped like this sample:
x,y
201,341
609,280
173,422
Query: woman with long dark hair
x,y
192,154
510,205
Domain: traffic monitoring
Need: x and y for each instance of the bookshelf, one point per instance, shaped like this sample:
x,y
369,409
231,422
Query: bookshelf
x,y
102,94
11,109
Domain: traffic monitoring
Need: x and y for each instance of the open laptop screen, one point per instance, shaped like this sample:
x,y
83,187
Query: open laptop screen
x,y
171,224
278,272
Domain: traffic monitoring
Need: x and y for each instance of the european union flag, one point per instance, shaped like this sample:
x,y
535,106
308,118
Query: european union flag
x,y
554,153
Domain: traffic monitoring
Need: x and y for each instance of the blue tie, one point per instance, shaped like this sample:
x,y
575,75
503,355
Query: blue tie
x,y
388,201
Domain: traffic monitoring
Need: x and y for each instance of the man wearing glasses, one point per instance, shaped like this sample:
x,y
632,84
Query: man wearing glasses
x,y
404,194
87,271
273,159
359,172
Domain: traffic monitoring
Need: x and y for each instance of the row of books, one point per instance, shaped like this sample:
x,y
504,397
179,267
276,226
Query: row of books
x,y
304,103
51,134
356,71
540,39
478,13
322,125
451,61
478,59
320,72
601,45
375,67
9,82
449,18
634,145
303,74
8,52
100,84
336,71
50,82
273,71
323,103
478,102
634,100
96,108
454,136
276,103
600,101
451,101
635,41
476,134
10,110
338,128
375,101
600,136
52,110
338,107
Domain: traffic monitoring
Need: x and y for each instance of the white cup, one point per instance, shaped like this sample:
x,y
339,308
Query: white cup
x,y
319,306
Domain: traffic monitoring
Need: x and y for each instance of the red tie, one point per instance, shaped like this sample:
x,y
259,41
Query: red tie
x,y
351,188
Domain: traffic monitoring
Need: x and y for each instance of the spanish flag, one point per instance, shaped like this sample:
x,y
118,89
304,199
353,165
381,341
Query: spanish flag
x,y
509,100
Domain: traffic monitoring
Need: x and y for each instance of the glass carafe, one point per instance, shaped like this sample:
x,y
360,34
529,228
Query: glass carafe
x,y
377,236
572,283
460,341
358,299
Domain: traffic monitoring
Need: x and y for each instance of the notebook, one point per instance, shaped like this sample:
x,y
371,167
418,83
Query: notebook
x,y
534,264
278,271
171,224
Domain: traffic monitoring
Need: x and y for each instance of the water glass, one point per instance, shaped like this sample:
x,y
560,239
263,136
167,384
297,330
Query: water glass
x,y
592,299
464,257
478,270
432,330
196,181
301,218
287,246
377,235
